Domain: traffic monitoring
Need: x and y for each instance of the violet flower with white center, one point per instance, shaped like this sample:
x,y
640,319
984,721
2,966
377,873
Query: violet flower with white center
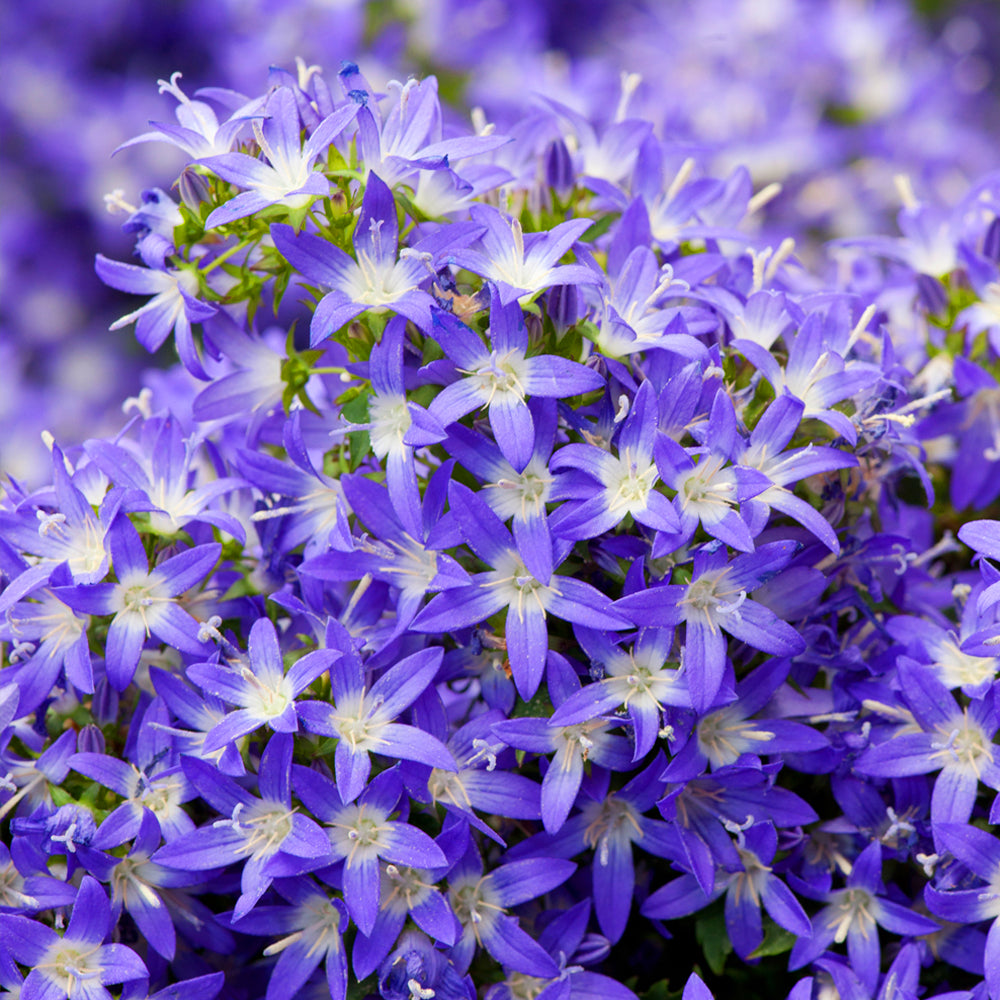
x,y
410,137
501,375
78,964
288,178
72,535
383,277
480,902
711,491
49,640
929,244
698,810
816,372
852,914
571,745
362,718
392,553
633,317
311,925
729,735
361,834
396,426
143,601
521,265
158,467
314,510
481,780
510,584
260,685
642,680
940,648
174,307
765,452
518,497
198,132
753,884
605,488
715,601
150,782
267,834
980,853
406,892
956,741
202,714
136,882
253,387
609,823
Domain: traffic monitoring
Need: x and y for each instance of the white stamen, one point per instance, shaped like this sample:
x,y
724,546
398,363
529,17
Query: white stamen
x,y
629,83
114,202
623,407
686,169
763,197
904,188
210,630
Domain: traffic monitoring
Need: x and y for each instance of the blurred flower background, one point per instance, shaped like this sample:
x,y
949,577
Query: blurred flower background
x,y
835,100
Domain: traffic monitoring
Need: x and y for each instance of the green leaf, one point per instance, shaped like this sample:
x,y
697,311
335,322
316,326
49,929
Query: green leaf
x,y
539,707
776,941
360,445
662,991
710,931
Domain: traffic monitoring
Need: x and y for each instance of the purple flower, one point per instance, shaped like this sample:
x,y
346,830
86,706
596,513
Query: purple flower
x,y
956,741
610,823
174,307
288,179
511,584
143,601
410,137
48,639
716,600
382,277
260,685
641,679
571,745
396,426
311,926
361,833
501,375
158,469
606,488
481,781
521,265
817,372
78,964
392,553
746,889
852,914
416,969
980,853
270,837
711,490
198,132
362,717
481,901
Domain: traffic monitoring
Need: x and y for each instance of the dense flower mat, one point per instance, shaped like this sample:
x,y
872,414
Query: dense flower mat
x,y
576,601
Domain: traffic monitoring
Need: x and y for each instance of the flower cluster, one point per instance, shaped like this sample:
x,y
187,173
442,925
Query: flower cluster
x,y
500,578
870,90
